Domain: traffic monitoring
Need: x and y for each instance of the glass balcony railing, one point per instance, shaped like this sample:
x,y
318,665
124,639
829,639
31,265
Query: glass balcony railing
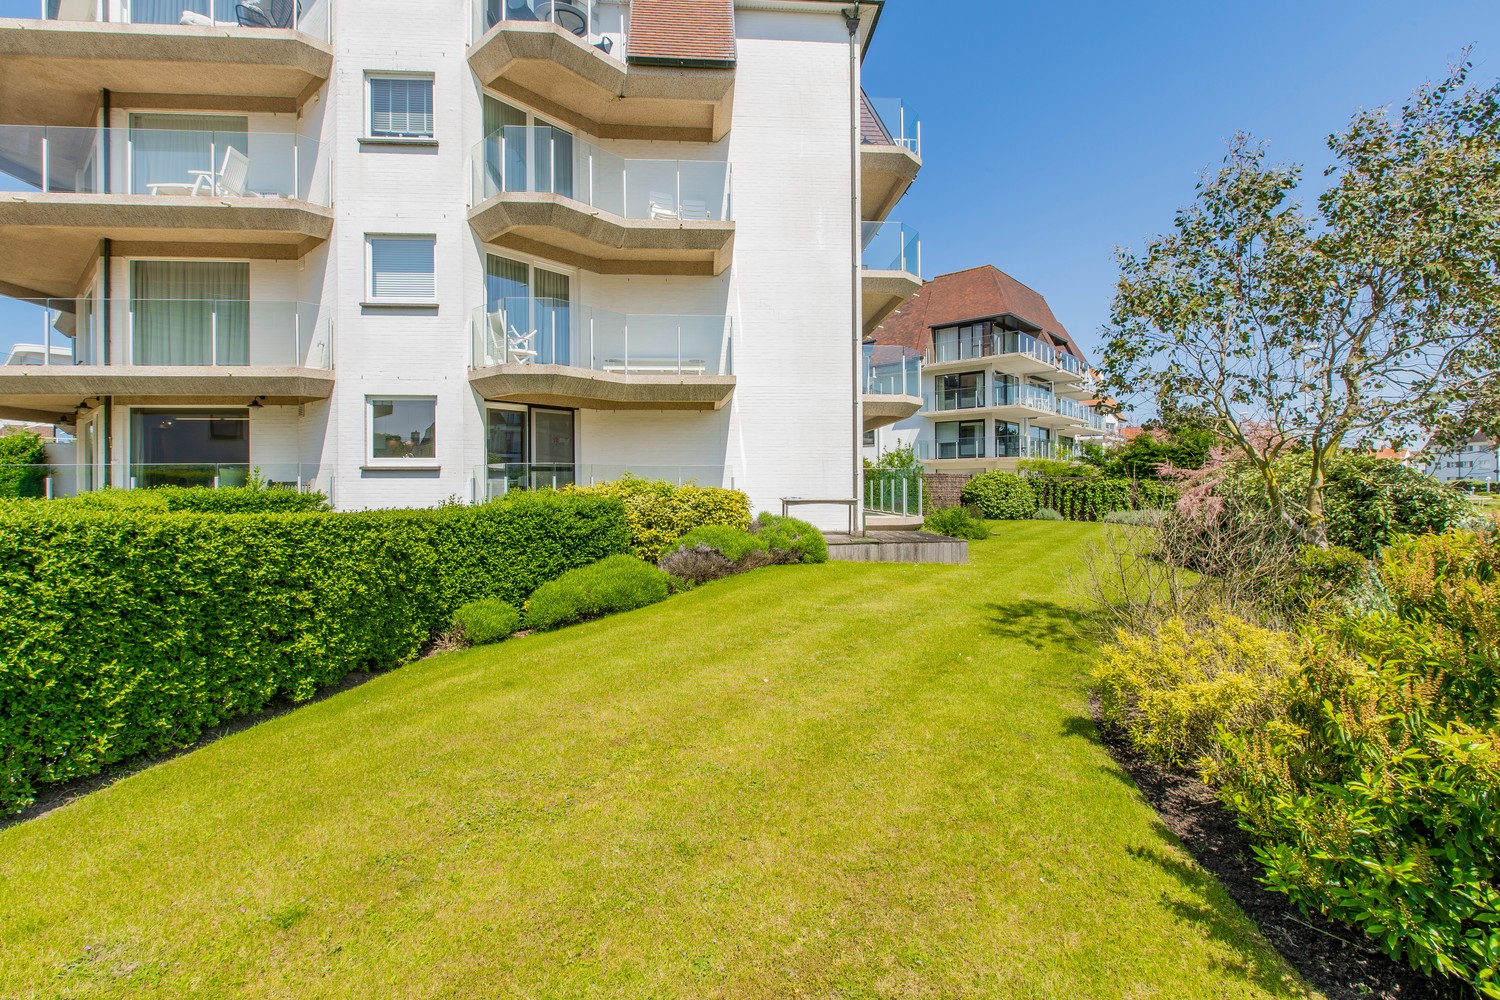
x,y
900,123
543,160
497,478
891,246
892,371
954,345
161,162
577,17
310,17
555,332
894,491
1000,394
1068,363
57,481
220,333
945,450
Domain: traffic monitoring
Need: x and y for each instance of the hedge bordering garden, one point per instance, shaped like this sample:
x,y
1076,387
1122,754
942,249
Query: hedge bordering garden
x,y
130,630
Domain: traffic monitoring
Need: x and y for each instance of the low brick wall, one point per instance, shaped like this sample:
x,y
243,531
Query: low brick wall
x,y
942,489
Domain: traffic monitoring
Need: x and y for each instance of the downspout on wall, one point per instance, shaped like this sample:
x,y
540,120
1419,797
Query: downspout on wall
x,y
851,19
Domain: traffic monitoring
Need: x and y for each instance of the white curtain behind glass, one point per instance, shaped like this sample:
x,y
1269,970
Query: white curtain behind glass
x,y
190,312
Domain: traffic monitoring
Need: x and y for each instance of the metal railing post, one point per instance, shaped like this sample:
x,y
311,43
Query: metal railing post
x,y
46,163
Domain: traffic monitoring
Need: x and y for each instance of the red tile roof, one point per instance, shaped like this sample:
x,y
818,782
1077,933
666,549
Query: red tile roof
x,y
677,32
978,293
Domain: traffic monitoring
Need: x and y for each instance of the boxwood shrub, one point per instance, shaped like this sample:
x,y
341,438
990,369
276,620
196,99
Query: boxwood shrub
x,y
487,620
619,583
662,512
790,540
130,631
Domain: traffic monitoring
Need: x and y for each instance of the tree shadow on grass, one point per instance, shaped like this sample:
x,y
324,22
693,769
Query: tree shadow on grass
x,y
1216,914
1040,625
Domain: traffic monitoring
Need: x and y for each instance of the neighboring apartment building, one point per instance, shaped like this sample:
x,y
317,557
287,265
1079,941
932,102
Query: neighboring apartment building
x,y
406,252
1001,379
1477,459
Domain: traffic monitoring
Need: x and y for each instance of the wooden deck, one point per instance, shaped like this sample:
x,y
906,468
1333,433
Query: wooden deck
x,y
897,547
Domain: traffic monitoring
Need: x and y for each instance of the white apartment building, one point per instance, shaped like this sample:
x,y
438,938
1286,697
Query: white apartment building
x,y
1476,460
408,252
997,377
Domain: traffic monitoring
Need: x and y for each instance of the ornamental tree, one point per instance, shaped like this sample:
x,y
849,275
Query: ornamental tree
x,y
1355,320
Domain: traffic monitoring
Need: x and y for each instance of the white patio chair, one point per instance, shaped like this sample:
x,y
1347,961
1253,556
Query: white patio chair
x,y
520,348
692,209
664,206
229,181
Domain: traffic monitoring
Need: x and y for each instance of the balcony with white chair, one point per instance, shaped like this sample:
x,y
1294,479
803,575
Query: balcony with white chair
x,y
550,352
572,61
255,55
543,191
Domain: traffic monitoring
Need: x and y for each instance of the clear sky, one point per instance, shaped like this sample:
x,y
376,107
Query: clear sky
x,y
1054,132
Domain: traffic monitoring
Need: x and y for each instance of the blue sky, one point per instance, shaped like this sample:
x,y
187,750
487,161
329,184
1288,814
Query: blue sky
x,y
1055,132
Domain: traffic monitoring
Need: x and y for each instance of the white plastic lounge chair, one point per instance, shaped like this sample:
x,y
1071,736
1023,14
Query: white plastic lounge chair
x,y
229,181
663,206
203,21
520,348
694,209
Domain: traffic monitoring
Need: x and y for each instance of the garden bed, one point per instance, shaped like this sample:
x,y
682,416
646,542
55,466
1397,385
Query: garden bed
x,y
1336,960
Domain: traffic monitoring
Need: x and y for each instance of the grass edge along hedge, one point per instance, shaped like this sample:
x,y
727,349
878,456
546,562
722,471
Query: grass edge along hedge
x,y
127,632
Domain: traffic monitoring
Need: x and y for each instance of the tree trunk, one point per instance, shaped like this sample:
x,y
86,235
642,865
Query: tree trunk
x,y
1317,527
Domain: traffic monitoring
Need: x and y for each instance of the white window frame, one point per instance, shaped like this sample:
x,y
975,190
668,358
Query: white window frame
x,y
371,461
369,136
371,301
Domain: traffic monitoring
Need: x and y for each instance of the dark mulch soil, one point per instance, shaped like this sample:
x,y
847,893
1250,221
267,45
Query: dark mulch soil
x,y
1334,959
56,796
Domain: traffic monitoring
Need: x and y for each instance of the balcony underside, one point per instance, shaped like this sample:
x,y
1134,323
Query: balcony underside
x,y
884,291
570,232
588,389
885,174
882,411
970,465
52,72
47,240
53,394
565,78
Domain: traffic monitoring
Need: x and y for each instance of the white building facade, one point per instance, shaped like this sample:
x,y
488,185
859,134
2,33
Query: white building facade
x,y
407,253
1477,460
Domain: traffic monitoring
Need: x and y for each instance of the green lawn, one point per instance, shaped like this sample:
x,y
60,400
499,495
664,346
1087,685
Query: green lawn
x,y
837,781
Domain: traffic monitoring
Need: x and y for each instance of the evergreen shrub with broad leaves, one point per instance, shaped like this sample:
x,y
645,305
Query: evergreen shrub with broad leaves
x,y
129,631
1374,796
1094,499
660,512
23,465
618,583
1001,496
201,499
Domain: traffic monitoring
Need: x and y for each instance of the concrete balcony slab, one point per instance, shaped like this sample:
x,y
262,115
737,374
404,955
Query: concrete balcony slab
x,y
53,393
571,232
565,78
882,411
52,72
885,174
47,240
589,389
884,291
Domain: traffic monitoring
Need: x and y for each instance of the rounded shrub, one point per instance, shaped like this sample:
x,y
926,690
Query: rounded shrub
x,y
1001,496
660,512
1047,514
791,540
619,583
956,522
732,543
487,620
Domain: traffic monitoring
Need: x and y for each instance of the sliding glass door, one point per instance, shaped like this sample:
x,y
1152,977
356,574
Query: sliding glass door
x,y
170,149
529,307
524,153
172,447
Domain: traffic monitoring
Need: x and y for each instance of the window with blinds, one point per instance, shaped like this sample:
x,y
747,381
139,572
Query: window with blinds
x,y
401,107
402,268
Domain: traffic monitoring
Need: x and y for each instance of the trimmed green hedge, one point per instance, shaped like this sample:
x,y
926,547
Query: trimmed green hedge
x,y
1000,496
23,465
202,499
1092,499
126,632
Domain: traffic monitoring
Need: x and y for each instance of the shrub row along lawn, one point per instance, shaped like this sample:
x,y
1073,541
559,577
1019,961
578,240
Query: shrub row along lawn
x,y
840,780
